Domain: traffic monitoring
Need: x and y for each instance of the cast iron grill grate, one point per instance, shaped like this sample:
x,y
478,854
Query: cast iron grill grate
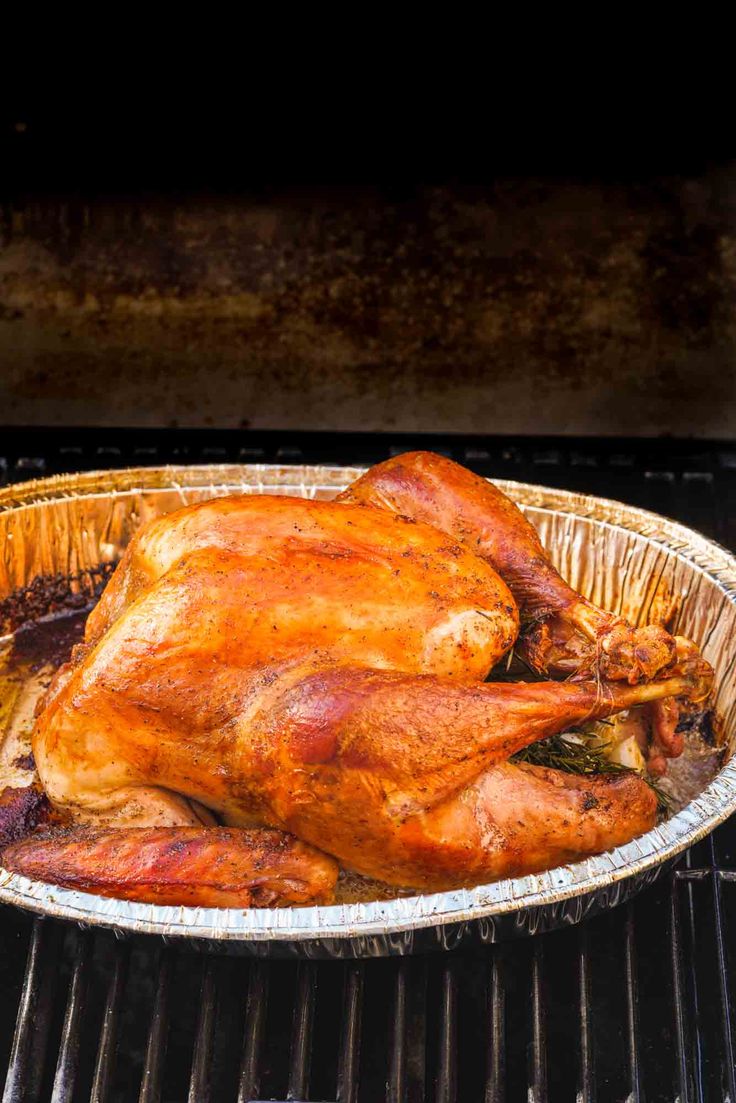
x,y
637,1004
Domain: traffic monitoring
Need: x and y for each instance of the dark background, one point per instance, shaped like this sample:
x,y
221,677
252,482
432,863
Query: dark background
x,y
487,258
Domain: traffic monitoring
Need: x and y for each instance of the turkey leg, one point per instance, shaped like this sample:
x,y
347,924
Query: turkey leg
x,y
563,633
389,784
517,819
368,773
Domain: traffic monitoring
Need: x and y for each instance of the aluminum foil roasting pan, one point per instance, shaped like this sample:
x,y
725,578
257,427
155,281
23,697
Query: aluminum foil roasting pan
x,y
623,558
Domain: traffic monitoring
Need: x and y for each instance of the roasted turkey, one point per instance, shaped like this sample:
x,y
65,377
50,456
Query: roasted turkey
x,y
311,675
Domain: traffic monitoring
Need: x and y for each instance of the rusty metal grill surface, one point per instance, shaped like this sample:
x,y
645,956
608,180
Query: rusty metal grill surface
x,y
637,1004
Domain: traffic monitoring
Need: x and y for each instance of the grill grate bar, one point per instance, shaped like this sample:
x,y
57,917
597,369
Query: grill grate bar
x,y
348,1078
306,991
199,1083
496,1078
25,1068
68,1060
153,1065
632,1007
586,1091
538,1054
726,1015
255,1018
446,1062
689,874
107,1048
697,1057
686,1084
396,1087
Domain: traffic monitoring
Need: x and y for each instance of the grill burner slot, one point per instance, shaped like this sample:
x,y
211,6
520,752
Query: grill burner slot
x,y
635,1004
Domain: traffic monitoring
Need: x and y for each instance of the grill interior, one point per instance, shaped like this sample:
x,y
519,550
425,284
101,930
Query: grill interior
x,y
637,1004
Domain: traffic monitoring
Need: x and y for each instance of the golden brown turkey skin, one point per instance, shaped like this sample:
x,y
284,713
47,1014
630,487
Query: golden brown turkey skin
x,y
345,758
405,779
204,867
565,632
517,819
318,578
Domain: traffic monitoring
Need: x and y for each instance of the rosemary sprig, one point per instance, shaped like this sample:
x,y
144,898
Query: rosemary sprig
x,y
572,757
502,672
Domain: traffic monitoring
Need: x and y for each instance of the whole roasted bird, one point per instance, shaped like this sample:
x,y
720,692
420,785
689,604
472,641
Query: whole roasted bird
x,y
312,673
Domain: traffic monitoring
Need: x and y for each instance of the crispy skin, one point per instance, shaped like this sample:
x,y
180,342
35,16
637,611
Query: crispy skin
x,y
517,819
566,633
21,810
207,867
435,490
338,757
353,583
401,802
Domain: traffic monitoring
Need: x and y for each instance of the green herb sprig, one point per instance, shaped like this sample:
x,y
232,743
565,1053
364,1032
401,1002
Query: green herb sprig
x,y
572,757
